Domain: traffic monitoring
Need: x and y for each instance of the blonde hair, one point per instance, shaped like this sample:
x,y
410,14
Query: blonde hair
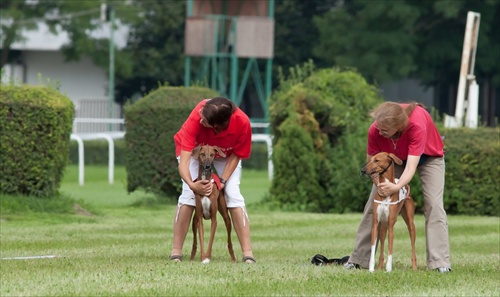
x,y
392,114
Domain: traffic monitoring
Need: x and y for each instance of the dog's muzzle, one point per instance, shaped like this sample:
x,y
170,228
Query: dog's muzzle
x,y
368,176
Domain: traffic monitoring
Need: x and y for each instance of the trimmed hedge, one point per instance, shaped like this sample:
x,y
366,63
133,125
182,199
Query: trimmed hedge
x,y
472,184
35,129
151,124
472,178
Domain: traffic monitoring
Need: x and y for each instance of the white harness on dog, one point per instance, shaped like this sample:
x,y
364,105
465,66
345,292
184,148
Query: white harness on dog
x,y
403,192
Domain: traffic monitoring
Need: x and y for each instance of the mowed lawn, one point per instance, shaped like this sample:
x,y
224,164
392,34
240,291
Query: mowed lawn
x,y
122,250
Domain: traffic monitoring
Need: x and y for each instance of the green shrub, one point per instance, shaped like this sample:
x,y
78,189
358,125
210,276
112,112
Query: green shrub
x,y
472,183
320,110
295,170
35,129
151,124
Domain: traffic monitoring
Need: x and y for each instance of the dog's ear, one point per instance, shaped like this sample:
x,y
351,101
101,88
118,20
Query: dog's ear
x,y
395,158
219,150
195,153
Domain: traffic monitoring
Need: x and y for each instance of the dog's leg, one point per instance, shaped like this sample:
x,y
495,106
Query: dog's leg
x,y
195,224
213,225
407,213
201,235
227,221
201,231
371,266
393,216
382,235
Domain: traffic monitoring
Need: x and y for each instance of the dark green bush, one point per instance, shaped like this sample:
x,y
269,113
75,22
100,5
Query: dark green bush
x,y
35,129
151,124
320,110
472,183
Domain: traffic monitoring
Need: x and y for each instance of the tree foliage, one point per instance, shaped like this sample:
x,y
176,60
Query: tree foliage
x,y
384,40
156,43
391,40
79,19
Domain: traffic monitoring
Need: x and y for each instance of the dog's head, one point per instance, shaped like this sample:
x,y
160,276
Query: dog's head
x,y
379,164
206,154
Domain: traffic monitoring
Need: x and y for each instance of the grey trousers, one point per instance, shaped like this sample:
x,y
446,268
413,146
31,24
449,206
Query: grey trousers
x,y
431,175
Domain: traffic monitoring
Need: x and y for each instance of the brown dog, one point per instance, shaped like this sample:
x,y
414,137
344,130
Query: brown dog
x,y
207,206
386,209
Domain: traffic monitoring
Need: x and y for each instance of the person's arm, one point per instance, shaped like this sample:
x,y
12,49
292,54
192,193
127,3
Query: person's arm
x,y
201,187
232,162
388,188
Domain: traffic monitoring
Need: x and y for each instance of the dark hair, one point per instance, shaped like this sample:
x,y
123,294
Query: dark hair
x,y
218,110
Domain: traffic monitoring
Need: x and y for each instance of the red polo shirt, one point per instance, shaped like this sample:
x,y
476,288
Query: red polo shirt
x,y
420,137
236,139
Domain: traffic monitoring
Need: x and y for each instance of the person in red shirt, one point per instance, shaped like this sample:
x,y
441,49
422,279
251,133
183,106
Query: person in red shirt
x,y
407,130
217,122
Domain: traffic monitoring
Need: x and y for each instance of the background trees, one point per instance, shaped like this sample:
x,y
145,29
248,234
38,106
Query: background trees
x,y
391,40
79,19
385,40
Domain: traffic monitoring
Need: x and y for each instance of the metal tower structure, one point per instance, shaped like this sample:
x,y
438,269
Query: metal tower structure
x,y
221,35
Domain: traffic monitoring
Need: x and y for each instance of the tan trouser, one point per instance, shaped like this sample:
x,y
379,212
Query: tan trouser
x,y
431,175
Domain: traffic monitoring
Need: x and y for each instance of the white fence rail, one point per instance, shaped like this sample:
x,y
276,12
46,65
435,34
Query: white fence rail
x,y
112,135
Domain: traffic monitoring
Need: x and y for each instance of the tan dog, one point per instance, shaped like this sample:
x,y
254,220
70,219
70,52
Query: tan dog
x,y
207,206
386,209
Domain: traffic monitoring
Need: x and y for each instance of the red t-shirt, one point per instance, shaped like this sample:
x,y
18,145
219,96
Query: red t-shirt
x,y
420,137
236,139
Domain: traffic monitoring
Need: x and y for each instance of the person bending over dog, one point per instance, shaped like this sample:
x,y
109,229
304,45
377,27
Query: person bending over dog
x,y
216,122
407,130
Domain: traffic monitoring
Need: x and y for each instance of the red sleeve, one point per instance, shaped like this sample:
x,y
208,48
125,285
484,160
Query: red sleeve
x,y
185,138
243,146
417,139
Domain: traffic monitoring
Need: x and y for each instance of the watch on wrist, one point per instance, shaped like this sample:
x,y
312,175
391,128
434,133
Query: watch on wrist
x,y
223,181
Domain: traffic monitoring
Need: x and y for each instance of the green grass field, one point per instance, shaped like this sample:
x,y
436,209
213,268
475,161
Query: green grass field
x,y
123,251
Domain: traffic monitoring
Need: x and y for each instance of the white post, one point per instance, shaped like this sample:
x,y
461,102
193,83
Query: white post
x,y
466,69
111,154
81,162
267,139
472,105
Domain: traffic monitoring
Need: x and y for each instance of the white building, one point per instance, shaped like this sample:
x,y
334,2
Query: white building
x,y
40,61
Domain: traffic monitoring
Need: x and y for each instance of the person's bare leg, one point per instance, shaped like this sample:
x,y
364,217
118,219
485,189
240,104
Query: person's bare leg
x,y
182,221
242,227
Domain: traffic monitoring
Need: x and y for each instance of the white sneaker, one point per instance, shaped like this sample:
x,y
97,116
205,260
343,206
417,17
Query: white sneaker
x,y
444,269
350,265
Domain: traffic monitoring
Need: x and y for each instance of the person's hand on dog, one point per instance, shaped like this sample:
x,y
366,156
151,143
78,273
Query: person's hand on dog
x,y
202,187
387,188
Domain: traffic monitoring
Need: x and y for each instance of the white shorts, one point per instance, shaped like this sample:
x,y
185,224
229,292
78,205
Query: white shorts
x,y
231,189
